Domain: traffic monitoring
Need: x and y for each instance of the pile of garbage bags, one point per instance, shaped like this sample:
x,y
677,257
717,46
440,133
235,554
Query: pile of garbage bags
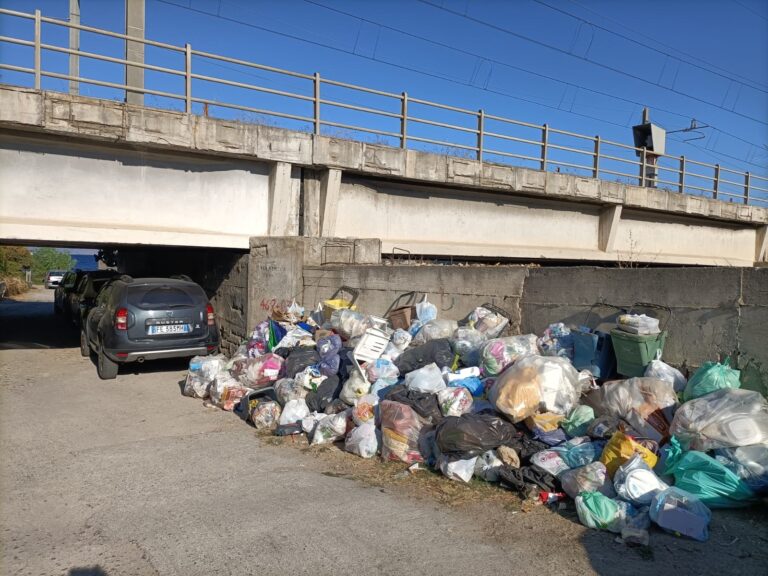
x,y
467,400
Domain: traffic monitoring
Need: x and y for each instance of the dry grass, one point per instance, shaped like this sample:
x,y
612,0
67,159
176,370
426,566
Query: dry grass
x,y
14,286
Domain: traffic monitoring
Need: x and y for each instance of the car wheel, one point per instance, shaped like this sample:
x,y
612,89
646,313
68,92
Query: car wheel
x,y
85,348
106,368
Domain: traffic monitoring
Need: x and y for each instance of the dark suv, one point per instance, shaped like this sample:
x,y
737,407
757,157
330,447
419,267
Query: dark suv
x,y
138,319
80,300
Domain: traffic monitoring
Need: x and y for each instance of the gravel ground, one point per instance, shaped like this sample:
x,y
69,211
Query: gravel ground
x,y
129,477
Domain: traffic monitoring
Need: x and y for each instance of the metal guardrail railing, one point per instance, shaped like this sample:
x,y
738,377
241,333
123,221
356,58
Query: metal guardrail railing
x,y
482,136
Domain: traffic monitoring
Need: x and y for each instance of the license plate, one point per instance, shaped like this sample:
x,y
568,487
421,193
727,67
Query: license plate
x,y
169,329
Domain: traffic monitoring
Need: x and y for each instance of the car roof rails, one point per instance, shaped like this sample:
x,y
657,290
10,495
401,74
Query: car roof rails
x,y
181,277
125,278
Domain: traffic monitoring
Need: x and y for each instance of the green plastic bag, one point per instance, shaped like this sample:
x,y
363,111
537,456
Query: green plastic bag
x,y
706,478
577,422
710,377
596,510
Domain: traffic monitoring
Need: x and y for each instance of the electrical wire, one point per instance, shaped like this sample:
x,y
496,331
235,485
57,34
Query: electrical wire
x,y
607,67
429,74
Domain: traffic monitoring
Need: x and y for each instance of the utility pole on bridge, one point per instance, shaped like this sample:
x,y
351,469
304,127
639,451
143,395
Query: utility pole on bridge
x,y
134,51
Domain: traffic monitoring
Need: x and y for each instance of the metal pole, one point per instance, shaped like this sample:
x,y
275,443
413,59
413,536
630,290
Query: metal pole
x,y
643,167
317,103
404,121
74,44
746,188
544,142
480,130
188,78
596,159
37,49
134,51
682,174
717,181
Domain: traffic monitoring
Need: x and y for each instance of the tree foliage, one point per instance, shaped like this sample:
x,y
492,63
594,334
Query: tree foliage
x,y
44,259
13,259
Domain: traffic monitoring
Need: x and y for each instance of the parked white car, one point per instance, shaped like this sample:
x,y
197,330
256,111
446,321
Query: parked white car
x,y
53,278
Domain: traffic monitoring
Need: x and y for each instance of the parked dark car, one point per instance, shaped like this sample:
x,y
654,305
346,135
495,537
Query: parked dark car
x,y
138,319
64,289
80,300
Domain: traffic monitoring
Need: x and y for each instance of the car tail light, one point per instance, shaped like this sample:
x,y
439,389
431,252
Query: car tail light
x,y
121,319
211,315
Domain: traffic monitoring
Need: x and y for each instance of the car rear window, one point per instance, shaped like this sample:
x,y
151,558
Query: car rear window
x,y
164,296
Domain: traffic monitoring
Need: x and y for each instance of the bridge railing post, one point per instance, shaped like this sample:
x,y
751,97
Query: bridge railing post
x,y
317,102
644,167
716,188
596,159
480,131
544,145
746,188
188,78
682,175
38,30
404,120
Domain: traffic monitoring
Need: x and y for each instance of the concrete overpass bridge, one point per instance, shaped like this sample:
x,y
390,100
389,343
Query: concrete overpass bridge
x,y
78,170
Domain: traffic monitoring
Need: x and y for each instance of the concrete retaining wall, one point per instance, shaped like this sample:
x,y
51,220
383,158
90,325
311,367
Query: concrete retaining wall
x,y
715,311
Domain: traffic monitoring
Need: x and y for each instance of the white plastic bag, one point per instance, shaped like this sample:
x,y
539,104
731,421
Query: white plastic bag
x,y
454,401
722,419
294,411
461,470
663,371
355,387
487,466
362,441
435,329
330,428
428,379
635,482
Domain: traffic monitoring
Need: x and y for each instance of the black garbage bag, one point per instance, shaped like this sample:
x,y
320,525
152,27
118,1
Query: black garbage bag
x,y
299,358
470,435
424,404
328,391
525,446
438,351
522,479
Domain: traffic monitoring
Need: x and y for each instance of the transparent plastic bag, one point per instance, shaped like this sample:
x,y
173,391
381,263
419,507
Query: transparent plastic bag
x,y
226,392
364,410
750,463
428,379
725,418
578,420
600,512
348,323
262,370
621,448
663,371
636,482
646,404
460,470
499,353
679,512
487,322
287,389
426,311
468,344
590,478
382,368
266,415
551,383
400,429
202,371
362,441
330,428
710,377
435,329
454,401
557,341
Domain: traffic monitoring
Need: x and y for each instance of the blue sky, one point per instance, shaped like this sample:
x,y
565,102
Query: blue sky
x,y
586,66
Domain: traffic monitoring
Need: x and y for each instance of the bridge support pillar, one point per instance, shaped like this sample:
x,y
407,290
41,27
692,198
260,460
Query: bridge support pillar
x,y
761,244
610,218
330,186
283,201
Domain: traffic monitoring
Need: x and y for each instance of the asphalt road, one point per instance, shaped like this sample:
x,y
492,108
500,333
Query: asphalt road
x,y
129,477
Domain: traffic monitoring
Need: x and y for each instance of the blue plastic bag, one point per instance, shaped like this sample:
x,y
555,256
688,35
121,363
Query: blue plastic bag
x,y
473,384
681,513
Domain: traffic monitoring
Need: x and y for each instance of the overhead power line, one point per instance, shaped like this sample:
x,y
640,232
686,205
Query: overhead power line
x,y
584,59
417,71
733,77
